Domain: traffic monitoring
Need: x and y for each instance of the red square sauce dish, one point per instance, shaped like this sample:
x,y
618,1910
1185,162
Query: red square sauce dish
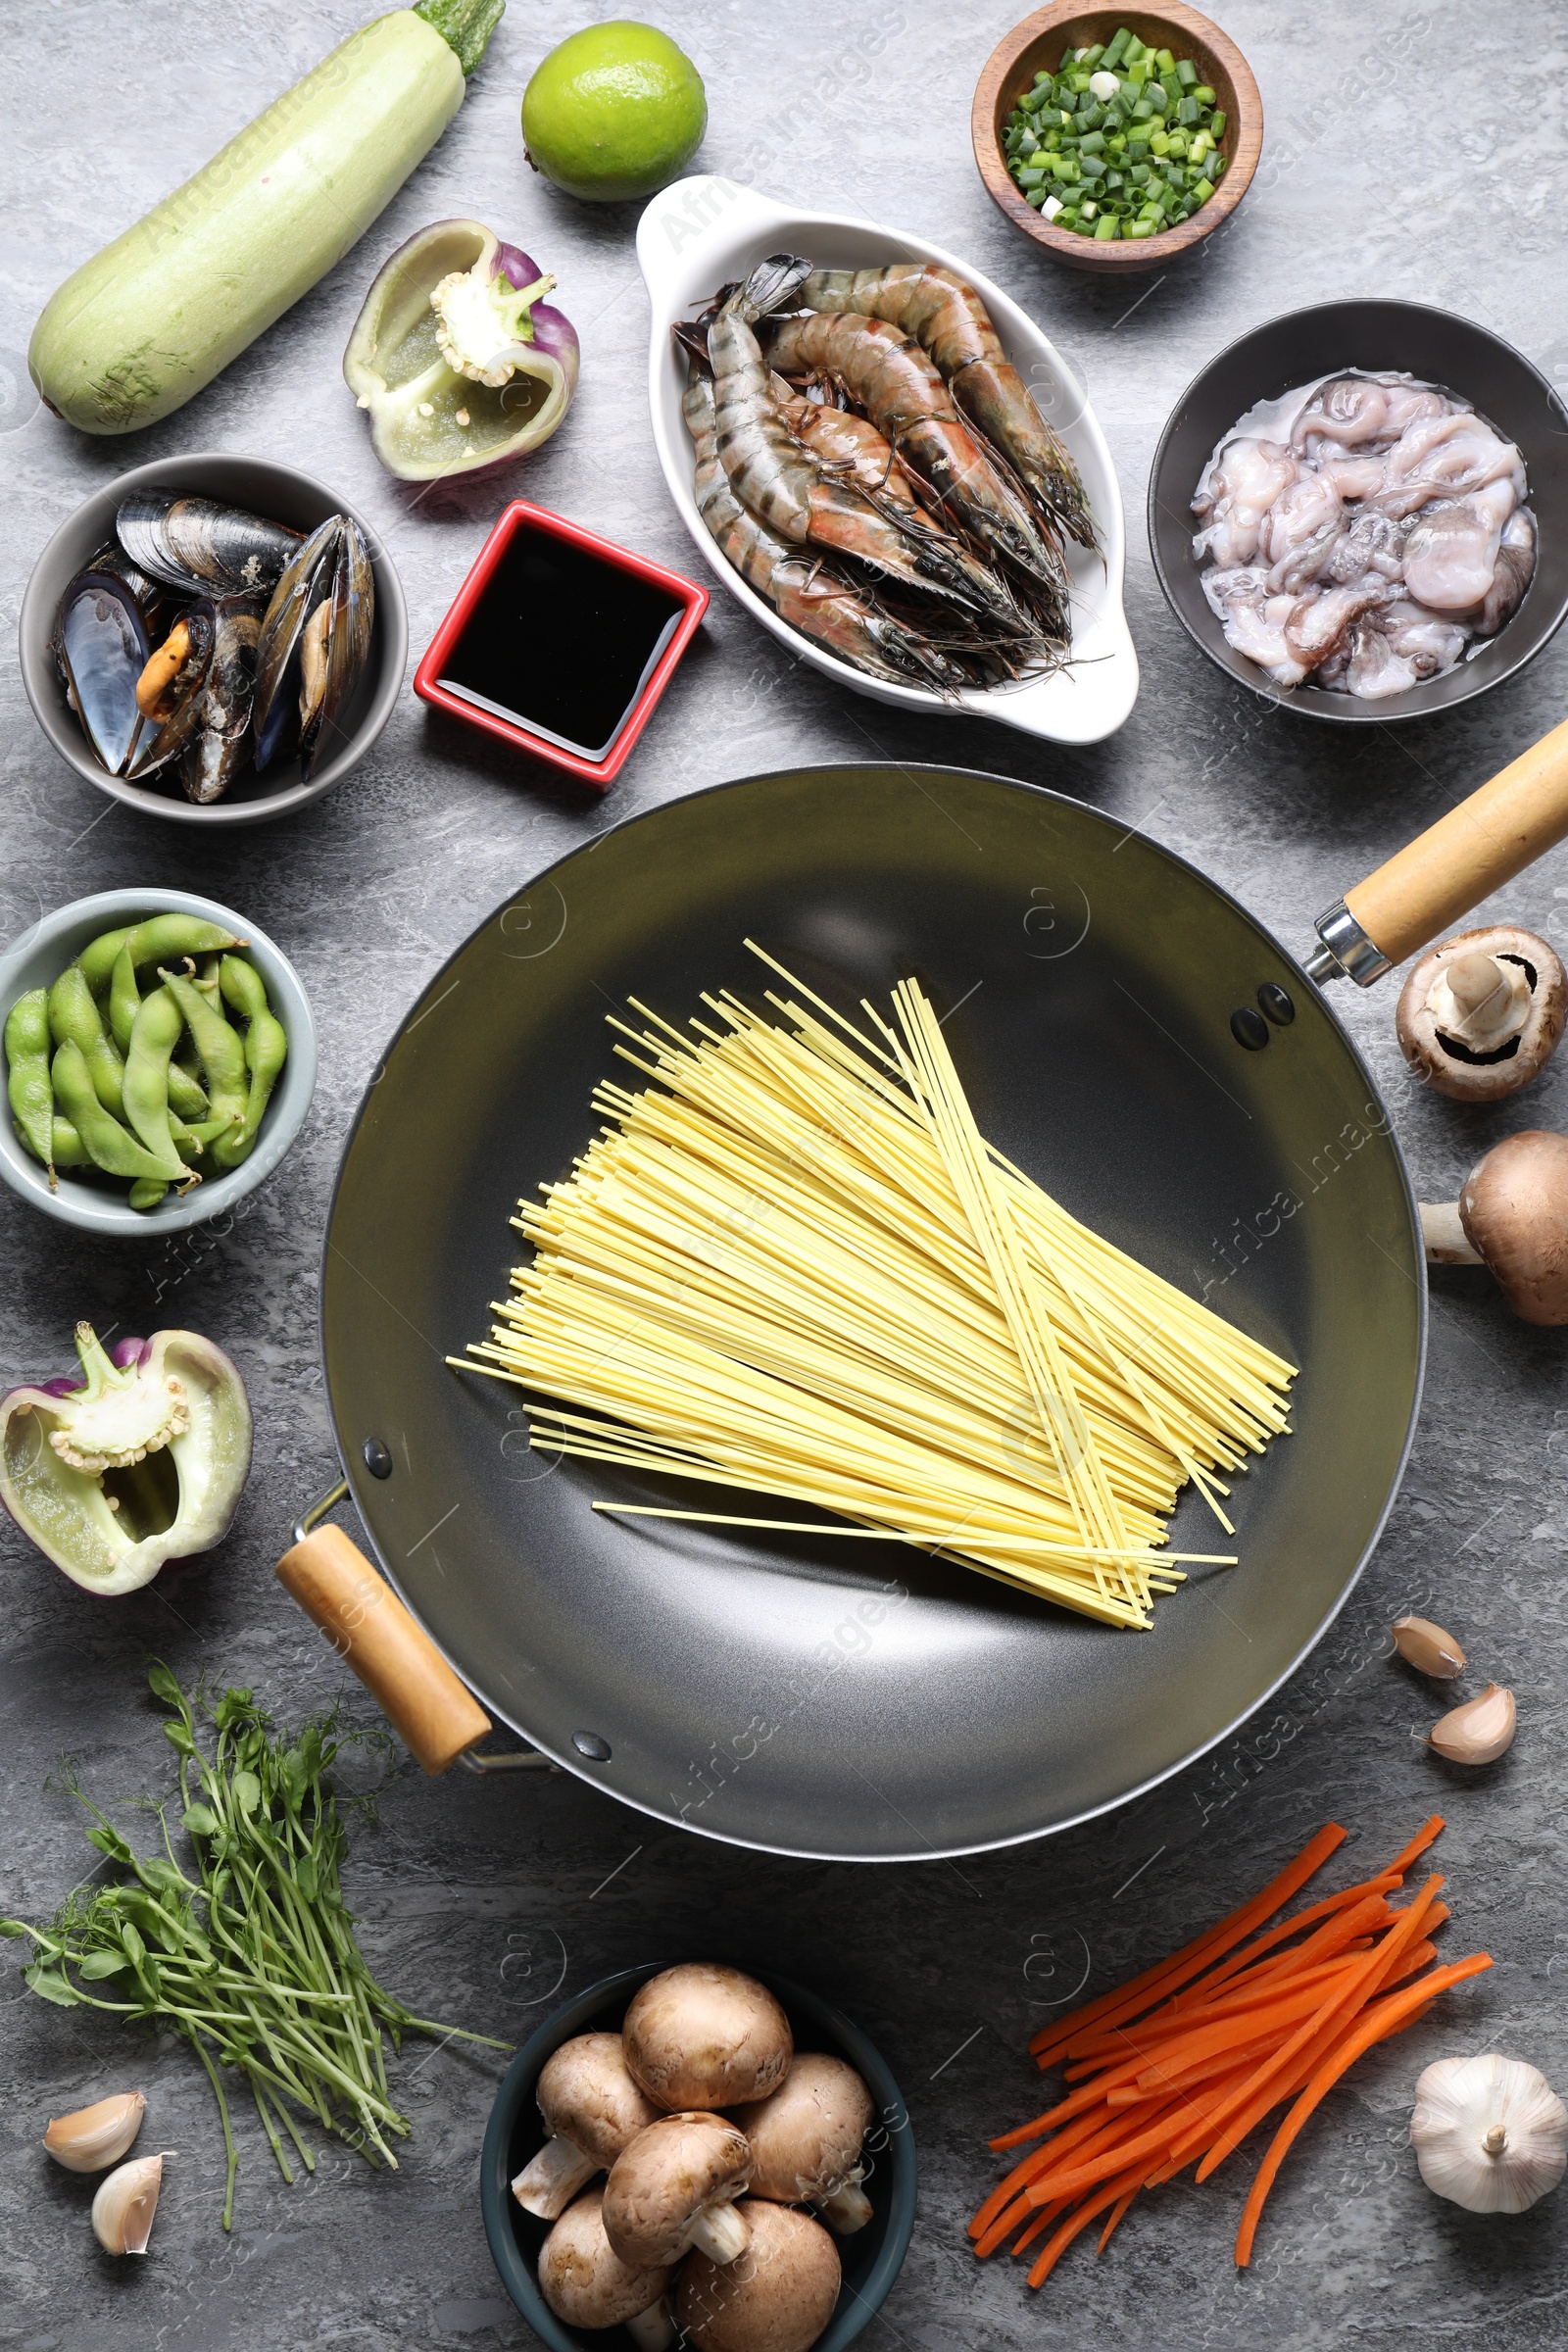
x,y
559,643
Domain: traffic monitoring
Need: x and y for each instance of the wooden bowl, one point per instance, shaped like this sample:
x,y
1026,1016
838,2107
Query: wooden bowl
x,y
1038,42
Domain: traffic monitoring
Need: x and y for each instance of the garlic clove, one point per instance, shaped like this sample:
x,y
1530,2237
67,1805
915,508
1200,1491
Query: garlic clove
x,y
123,2208
1478,1732
1489,2132
1428,1649
96,2136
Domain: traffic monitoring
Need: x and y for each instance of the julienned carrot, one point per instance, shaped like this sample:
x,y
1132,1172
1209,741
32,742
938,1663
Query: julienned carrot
x,y
1282,1931
1117,2213
1057,2246
1378,2022
1186,2059
1222,1935
1366,1978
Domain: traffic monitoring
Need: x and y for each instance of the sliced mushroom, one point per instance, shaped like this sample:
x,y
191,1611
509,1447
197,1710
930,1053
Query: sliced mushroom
x,y
592,2109
675,2187
702,2035
1481,1014
779,2299
585,2282
1512,1217
806,2140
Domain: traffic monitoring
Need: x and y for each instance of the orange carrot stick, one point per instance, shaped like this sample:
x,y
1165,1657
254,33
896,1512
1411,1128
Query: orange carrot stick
x,y
1125,1999
1418,1845
1378,2022
1058,2247
1229,2032
1151,2141
1117,2213
1282,1930
1367,1977
1082,2127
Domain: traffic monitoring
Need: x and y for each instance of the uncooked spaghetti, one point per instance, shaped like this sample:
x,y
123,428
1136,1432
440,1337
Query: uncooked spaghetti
x,y
792,1263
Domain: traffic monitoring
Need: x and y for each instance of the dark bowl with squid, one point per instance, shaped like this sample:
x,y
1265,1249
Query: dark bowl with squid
x,y
282,495
1370,338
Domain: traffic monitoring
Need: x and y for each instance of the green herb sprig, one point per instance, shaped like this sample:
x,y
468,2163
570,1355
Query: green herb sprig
x,y
253,1960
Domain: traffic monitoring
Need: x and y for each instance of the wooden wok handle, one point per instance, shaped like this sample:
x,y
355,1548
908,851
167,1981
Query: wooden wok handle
x,y
395,1659
1505,826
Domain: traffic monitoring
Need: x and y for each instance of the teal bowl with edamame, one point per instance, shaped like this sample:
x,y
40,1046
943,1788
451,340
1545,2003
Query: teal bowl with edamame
x,y
99,1204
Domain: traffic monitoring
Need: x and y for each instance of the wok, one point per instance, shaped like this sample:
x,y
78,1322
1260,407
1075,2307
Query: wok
x,y
1102,1003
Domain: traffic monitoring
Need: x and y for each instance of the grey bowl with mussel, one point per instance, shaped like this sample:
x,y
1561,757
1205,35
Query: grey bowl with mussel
x,y
214,639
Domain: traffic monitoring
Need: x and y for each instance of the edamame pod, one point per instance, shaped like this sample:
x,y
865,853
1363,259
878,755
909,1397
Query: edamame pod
x,y
74,1019
69,1150
266,1051
108,1145
153,1038
191,1142
154,940
28,1082
147,1191
125,996
223,1056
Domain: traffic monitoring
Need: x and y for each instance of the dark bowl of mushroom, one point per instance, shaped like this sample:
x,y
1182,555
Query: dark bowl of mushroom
x,y
693,2150
1360,510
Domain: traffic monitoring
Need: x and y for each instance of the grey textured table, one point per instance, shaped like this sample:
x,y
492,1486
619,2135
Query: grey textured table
x,y
482,1901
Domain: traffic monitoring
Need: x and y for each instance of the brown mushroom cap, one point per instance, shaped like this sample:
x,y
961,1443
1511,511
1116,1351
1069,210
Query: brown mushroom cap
x,y
805,2139
701,2036
1514,1209
582,2278
1441,1057
663,2182
778,2299
586,2094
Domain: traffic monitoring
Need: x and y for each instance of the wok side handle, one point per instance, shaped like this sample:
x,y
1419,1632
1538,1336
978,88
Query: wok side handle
x,y
1425,888
431,1711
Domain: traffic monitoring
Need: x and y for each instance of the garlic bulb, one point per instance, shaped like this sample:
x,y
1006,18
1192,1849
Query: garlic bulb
x,y
96,2136
1490,2132
123,2208
1480,1731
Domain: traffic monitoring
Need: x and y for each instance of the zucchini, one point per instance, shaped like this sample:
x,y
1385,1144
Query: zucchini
x,y
154,317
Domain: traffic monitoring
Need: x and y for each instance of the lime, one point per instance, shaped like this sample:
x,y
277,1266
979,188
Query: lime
x,y
613,111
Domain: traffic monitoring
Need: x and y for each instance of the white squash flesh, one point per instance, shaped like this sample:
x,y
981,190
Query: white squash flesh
x,y
154,317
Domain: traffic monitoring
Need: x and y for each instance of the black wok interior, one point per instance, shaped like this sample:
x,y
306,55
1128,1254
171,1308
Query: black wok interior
x,y
1373,337
792,1692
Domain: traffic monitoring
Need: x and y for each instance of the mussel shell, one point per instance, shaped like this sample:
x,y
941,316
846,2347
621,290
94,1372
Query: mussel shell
x,y
101,645
222,744
185,693
196,543
334,564
299,591
348,645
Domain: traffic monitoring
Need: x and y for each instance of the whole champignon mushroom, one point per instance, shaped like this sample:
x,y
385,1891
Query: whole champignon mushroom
x,y
1481,1014
592,2109
806,2140
1512,1217
702,2035
674,2187
585,2282
779,2299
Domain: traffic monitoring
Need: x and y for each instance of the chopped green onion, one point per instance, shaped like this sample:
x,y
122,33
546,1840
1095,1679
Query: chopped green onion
x,y
1152,142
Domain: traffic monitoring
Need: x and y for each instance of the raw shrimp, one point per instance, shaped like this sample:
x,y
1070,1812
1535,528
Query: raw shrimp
x,y
784,486
841,438
950,321
804,591
888,375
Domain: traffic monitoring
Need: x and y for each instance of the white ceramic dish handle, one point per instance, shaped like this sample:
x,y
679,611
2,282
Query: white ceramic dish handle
x,y
701,231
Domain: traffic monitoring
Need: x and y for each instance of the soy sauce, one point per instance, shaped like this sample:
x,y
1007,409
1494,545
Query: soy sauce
x,y
562,642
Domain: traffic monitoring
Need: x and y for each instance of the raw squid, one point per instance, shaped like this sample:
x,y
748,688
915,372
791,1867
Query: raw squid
x,y
1363,533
